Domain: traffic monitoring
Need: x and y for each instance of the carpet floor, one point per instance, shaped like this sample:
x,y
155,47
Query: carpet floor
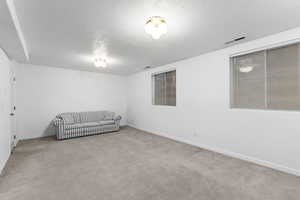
x,y
135,165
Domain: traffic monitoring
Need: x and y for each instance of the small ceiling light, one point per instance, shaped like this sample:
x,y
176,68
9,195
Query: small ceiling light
x,y
156,26
246,69
100,62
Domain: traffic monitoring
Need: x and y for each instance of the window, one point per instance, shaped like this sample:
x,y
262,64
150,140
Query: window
x,y
268,79
164,88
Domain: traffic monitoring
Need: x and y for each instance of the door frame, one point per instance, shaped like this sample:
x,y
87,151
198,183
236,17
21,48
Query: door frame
x,y
12,115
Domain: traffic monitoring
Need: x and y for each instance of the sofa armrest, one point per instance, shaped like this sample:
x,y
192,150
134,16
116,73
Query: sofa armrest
x,y
60,125
117,118
58,121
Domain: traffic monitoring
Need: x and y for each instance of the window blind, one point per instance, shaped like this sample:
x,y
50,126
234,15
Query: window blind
x,y
268,79
164,88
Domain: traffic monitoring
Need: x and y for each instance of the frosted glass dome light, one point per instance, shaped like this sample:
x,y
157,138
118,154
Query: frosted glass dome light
x,y
156,26
100,62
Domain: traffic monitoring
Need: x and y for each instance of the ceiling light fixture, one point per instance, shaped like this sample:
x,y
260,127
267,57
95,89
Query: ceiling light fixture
x,y
100,62
156,26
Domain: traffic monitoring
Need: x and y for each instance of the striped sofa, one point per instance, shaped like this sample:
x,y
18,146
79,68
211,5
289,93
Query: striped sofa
x,y
76,124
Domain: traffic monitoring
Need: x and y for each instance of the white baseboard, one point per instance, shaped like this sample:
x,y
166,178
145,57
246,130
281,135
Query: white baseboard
x,y
3,164
230,153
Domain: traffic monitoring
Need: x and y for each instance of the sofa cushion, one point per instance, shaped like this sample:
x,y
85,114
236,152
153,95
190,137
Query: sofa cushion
x,y
70,118
84,117
83,125
91,116
107,122
108,115
96,116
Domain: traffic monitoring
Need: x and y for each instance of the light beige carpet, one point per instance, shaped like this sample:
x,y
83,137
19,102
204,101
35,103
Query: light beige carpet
x,y
134,165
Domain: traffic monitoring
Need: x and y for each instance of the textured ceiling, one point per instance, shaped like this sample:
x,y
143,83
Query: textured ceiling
x,y
64,33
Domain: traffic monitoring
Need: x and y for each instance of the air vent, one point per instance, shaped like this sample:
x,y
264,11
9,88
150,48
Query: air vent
x,y
147,67
235,40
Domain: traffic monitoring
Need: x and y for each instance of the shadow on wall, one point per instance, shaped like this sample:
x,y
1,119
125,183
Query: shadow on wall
x,y
50,130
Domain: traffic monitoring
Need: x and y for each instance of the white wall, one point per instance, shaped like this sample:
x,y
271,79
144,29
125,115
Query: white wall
x,y
202,116
5,135
43,92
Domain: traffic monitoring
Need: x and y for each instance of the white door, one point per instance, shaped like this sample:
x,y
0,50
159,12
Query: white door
x,y
13,121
